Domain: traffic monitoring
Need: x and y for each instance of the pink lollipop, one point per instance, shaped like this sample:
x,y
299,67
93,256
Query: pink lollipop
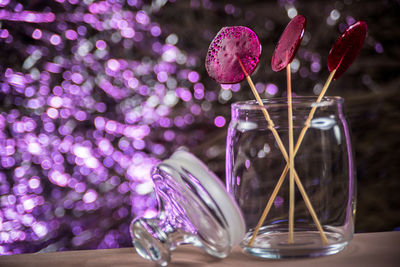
x,y
229,46
346,48
288,43
284,53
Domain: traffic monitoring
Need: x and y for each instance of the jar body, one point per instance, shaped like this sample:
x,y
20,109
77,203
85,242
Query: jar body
x,y
324,167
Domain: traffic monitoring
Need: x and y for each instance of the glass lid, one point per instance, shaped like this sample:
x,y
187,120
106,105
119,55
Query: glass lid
x,y
194,208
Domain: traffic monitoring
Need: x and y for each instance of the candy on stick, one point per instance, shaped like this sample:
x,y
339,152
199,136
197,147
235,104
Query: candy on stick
x,y
341,56
284,53
346,48
233,56
228,45
235,47
289,43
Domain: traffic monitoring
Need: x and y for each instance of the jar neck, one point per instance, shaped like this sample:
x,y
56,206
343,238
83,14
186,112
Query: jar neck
x,y
277,108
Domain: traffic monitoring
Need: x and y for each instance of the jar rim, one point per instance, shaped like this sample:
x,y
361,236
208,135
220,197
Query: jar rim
x,y
299,101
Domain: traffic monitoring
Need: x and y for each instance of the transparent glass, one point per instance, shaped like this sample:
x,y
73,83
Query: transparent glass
x,y
324,165
194,208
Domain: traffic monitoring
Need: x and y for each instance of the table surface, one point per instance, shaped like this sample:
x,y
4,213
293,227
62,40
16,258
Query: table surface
x,y
370,249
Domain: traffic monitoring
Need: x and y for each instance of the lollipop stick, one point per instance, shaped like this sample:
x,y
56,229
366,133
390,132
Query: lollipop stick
x,y
298,182
310,116
312,112
310,209
291,157
269,205
265,112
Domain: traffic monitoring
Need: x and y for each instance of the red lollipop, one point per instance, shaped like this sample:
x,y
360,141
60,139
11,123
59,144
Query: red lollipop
x,y
230,45
346,48
288,43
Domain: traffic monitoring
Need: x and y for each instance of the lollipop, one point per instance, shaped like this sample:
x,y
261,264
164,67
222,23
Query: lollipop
x,y
229,47
284,53
346,48
289,43
232,56
342,54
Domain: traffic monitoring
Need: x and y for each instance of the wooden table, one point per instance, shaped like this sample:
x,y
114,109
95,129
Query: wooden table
x,y
371,249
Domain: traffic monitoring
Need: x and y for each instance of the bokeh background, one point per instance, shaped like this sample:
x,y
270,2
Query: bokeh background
x,y
95,93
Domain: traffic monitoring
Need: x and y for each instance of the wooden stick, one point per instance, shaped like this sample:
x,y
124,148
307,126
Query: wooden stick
x,y
310,209
269,205
291,158
298,182
271,124
312,112
272,199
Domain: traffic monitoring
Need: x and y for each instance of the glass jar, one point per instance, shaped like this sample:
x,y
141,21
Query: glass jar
x,y
324,195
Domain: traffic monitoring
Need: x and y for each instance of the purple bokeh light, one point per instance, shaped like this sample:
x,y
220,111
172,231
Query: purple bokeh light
x,y
219,121
77,120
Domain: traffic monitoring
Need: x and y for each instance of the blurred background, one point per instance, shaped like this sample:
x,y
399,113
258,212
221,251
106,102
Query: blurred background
x,y
95,93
